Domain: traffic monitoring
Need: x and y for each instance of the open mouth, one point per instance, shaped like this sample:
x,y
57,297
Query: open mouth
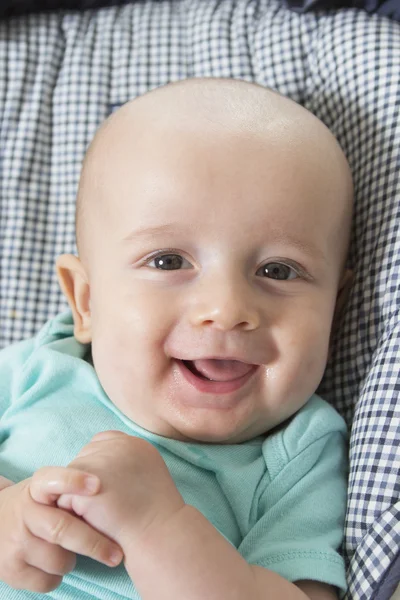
x,y
189,364
216,376
212,369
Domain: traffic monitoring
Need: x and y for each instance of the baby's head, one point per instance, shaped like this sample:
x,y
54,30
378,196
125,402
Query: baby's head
x,y
213,223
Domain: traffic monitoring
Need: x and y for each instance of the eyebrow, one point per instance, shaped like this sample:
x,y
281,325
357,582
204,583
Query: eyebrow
x,y
276,235
307,247
167,228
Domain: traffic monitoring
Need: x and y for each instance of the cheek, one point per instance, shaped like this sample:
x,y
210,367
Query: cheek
x,y
129,327
305,352
122,308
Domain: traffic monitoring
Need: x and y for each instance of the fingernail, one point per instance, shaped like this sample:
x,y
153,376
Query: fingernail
x,y
115,557
91,484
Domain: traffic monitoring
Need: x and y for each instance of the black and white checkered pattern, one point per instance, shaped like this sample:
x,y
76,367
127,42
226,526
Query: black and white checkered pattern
x,y
61,75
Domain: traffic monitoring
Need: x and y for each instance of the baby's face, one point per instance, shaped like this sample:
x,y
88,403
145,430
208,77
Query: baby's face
x,y
214,266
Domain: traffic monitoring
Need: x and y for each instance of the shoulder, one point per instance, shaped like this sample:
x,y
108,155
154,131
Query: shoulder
x,y
56,338
316,420
14,358
34,361
58,328
308,433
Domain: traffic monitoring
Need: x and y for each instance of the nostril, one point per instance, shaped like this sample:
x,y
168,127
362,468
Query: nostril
x,y
226,316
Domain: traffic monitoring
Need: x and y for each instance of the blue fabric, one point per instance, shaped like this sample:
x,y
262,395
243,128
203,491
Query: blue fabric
x,y
280,500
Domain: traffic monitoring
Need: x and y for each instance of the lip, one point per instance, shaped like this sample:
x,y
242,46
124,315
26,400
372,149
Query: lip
x,y
214,387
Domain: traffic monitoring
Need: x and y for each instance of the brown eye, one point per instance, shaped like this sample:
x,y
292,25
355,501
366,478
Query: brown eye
x,y
169,262
275,270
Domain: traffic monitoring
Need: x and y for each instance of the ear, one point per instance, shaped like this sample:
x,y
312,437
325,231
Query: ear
x,y
342,297
74,283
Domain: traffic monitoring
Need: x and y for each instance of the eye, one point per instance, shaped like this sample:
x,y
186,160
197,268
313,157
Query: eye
x,y
169,262
277,270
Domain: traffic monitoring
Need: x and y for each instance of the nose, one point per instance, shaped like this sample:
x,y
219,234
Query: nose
x,y
225,305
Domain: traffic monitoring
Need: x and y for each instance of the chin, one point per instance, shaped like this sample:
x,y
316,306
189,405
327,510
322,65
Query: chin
x,y
213,434
207,438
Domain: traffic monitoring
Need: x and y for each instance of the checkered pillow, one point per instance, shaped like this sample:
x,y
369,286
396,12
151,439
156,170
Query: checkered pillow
x,y
62,74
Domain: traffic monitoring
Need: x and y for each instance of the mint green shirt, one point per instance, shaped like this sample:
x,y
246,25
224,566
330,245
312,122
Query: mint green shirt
x,y
279,499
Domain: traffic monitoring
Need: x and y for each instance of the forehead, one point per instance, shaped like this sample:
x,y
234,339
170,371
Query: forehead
x,y
222,186
175,169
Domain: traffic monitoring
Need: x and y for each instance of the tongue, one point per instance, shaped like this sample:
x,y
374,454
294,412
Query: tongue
x,y
221,370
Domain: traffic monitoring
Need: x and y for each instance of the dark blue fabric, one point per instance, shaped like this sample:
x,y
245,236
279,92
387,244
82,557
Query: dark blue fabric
x,y
389,582
13,8
387,8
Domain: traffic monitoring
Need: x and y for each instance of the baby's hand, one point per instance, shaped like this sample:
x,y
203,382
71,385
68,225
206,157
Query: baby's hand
x,y
38,540
136,488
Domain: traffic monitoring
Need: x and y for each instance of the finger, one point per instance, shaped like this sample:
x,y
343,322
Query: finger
x,y
49,482
33,579
49,558
58,527
65,502
108,435
103,436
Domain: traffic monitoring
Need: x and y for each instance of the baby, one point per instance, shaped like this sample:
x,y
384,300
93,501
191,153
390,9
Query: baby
x,y
213,221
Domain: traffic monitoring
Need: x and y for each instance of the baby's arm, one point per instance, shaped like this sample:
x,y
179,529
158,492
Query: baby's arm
x,y
171,550
38,540
193,561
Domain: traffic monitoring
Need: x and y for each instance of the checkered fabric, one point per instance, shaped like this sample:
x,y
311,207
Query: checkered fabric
x,y
62,74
